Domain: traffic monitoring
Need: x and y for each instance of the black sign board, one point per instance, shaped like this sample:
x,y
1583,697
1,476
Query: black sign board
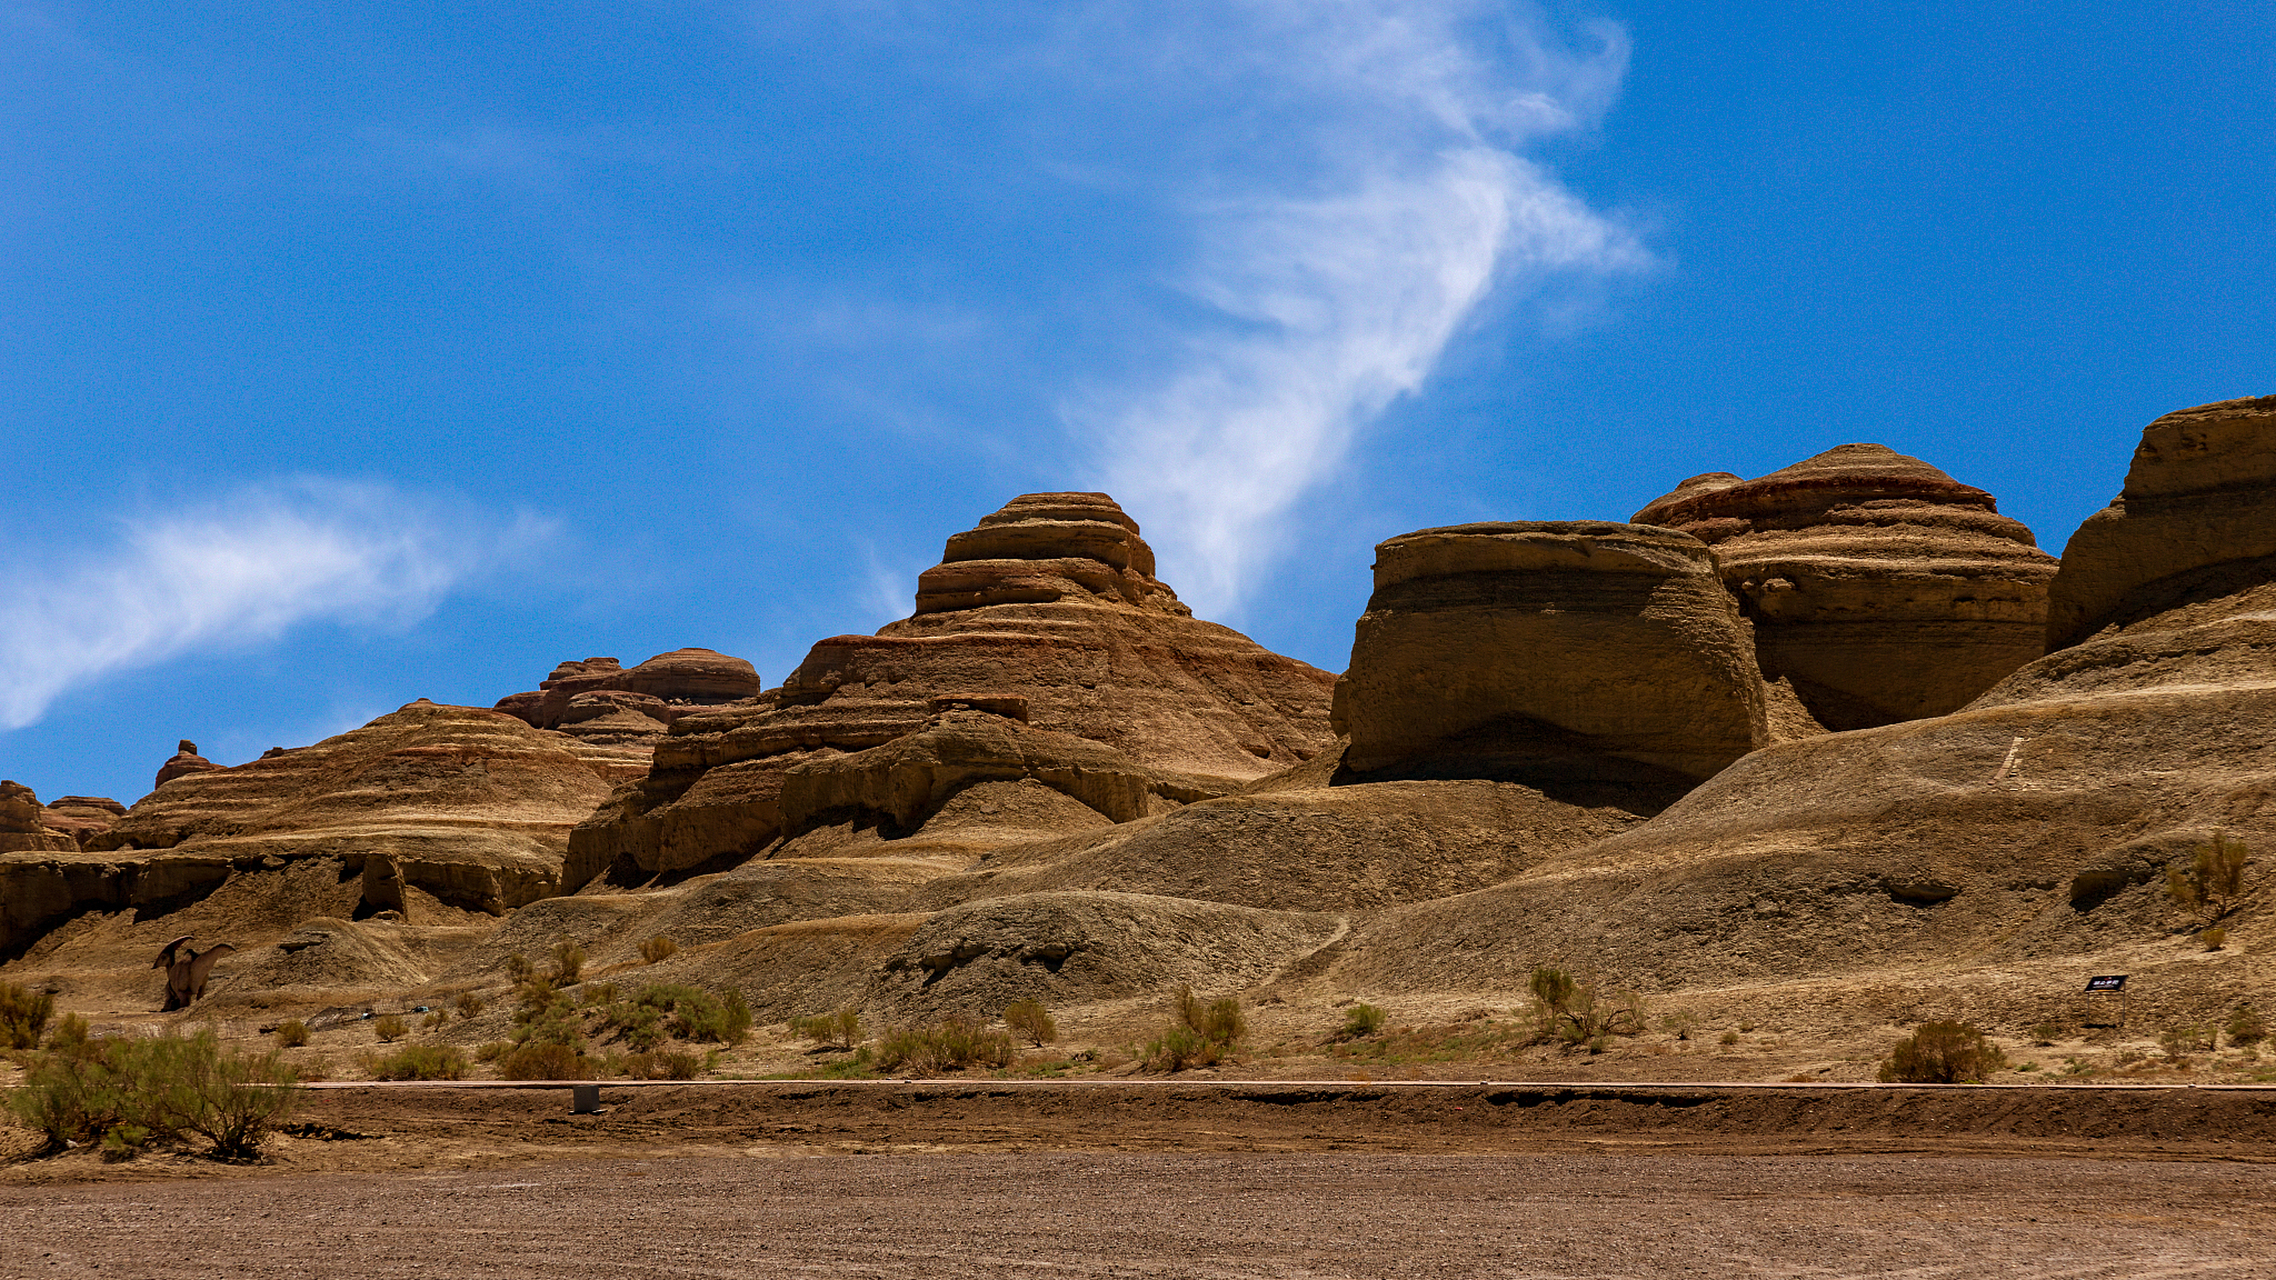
x,y
2107,982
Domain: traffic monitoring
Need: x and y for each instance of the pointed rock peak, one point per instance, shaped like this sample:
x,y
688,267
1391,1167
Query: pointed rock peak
x,y
1866,462
1043,548
185,760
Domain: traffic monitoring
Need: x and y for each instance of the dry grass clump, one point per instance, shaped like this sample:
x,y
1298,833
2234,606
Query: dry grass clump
x,y
292,1033
1942,1053
664,1064
951,1044
469,1004
1030,1021
2245,1025
389,1029
659,948
840,1027
131,1094
23,1016
1201,1036
568,964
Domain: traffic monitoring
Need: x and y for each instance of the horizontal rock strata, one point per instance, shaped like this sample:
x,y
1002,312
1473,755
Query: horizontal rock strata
x,y
617,716
1558,648
1046,618
1880,588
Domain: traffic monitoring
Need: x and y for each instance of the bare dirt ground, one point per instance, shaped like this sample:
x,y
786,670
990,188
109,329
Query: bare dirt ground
x,y
996,1178
794,1212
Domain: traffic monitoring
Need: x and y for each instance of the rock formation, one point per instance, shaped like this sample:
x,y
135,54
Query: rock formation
x,y
1550,650
184,762
82,817
618,716
1045,620
22,823
1880,588
471,808
2200,496
2035,824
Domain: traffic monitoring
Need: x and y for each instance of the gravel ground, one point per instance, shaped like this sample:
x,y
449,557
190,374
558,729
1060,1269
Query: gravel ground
x,y
792,1211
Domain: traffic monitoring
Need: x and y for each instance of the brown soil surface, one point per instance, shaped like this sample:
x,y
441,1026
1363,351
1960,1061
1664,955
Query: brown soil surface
x,y
771,1210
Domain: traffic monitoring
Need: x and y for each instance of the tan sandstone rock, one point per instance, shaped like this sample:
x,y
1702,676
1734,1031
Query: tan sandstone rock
x,y
617,716
470,806
1045,618
22,822
1880,588
2035,824
2201,494
82,817
1544,650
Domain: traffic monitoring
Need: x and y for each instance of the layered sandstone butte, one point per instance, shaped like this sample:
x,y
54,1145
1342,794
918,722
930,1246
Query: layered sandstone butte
x,y
2029,828
1047,621
82,817
1880,588
1535,650
617,715
23,825
466,805
2200,496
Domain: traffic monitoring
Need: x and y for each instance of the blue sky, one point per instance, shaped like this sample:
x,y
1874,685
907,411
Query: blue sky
x,y
360,354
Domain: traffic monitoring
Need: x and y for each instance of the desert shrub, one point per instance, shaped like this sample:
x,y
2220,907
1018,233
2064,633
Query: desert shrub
x,y
2214,937
1679,1025
2245,1025
435,1019
2179,1042
23,1016
841,1027
1728,1038
519,968
1362,1019
666,1064
544,1060
389,1029
1942,1053
292,1033
657,949
1030,1021
948,1045
1218,1021
1572,1010
491,1051
598,993
568,964
419,1062
126,1094
2212,882
1180,1047
2046,1033
469,1004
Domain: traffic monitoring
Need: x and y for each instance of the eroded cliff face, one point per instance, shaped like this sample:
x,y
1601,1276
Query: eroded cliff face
x,y
1880,589
2199,506
1586,642
465,806
617,715
1045,618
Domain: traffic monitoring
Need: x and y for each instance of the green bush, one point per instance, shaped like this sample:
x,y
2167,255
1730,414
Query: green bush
x,y
1201,1035
1362,1019
1180,1047
841,1027
23,1016
519,968
292,1033
1030,1021
949,1045
1942,1053
657,949
125,1094
665,1064
1218,1021
492,1050
469,1004
419,1062
389,1029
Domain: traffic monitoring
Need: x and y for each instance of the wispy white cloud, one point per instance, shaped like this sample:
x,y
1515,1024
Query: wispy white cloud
x,y
236,572
1338,252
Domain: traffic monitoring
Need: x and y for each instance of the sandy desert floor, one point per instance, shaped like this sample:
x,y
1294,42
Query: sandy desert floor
x,y
1255,1179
